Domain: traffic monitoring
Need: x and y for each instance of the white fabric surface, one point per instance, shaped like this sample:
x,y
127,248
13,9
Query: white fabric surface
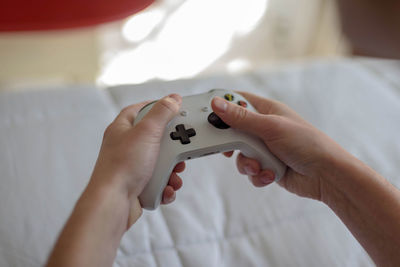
x,y
50,139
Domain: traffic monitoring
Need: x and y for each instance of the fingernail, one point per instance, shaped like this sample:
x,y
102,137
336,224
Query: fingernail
x,y
267,177
176,98
220,104
249,170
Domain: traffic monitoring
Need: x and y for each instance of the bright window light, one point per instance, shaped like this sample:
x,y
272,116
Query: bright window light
x,y
238,65
193,37
141,25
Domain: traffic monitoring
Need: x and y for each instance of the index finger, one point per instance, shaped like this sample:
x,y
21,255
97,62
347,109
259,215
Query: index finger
x,y
269,106
129,113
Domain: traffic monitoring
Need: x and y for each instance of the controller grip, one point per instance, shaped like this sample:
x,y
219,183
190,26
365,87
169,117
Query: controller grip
x,y
257,150
150,198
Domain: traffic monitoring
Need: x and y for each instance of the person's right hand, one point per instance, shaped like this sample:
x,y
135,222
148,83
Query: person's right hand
x,y
308,153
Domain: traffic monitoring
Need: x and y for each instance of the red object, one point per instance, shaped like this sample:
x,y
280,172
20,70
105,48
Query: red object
x,y
33,15
242,103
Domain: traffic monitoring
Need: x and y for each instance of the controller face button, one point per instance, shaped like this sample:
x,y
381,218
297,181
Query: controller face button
x,y
217,122
229,97
183,113
204,109
242,103
182,134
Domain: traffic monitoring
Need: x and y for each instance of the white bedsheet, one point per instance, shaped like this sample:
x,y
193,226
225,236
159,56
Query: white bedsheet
x,y
49,141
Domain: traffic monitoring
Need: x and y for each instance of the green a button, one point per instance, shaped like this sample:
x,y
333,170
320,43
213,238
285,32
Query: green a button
x,y
229,97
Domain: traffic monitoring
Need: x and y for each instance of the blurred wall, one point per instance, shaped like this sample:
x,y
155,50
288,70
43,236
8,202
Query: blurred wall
x,y
30,59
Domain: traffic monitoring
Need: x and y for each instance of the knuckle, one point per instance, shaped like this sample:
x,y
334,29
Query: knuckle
x,y
125,109
254,181
147,125
239,159
108,131
276,128
129,109
241,114
150,129
168,105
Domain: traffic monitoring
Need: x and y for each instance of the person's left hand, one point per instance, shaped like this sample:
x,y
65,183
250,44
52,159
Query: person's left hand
x,y
129,153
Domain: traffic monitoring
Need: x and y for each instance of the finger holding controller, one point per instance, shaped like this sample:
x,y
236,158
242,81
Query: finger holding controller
x,y
303,148
129,153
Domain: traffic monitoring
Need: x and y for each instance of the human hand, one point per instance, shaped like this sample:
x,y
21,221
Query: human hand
x,y
129,153
306,151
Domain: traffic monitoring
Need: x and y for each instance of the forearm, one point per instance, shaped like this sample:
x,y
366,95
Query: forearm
x,y
110,204
368,205
93,232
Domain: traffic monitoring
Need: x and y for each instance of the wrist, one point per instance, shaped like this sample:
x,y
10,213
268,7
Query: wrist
x,y
346,179
101,213
367,204
114,186
110,178
339,169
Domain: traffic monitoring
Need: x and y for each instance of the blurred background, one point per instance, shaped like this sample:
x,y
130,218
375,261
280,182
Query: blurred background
x,y
174,39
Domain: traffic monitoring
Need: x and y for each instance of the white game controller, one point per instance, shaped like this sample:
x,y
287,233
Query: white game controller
x,y
197,132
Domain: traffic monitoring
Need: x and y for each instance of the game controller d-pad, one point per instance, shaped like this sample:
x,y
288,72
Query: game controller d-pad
x,y
182,134
201,132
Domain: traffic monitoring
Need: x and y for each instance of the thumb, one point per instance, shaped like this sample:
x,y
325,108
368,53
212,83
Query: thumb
x,y
163,111
242,118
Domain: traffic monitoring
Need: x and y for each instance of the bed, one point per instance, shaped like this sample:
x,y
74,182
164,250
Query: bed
x,y
50,139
